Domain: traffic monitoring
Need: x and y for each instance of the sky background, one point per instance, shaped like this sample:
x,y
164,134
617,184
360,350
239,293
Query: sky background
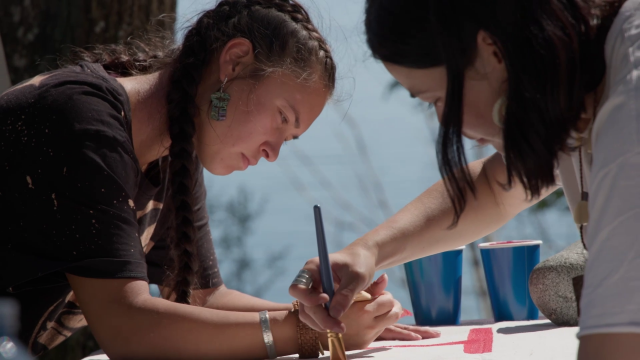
x,y
324,166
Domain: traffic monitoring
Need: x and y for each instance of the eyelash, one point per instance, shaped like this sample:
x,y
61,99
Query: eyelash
x,y
285,121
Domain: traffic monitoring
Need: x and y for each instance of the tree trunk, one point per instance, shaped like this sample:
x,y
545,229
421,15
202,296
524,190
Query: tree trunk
x,y
5,83
36,33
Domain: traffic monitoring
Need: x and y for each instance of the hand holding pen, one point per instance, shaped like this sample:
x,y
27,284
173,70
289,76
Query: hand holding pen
x,y
363,322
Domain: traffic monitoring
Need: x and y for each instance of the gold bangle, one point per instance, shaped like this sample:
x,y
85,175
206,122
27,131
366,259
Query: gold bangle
x,y
309,346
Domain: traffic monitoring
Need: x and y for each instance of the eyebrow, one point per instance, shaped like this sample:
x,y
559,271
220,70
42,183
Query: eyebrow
x,y
296,124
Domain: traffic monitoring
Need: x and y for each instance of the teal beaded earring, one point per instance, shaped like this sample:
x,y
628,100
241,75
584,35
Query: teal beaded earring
x,y
219,102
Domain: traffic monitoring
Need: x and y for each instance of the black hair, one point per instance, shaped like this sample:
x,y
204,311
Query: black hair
x,y
554,55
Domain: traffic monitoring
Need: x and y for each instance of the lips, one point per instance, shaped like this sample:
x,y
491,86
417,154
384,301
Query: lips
x,y
247,161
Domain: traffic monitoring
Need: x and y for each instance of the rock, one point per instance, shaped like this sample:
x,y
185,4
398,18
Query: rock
x,y
551,285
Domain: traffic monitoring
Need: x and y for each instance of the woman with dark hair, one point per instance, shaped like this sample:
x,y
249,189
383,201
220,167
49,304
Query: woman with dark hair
x,y
102,187
553,86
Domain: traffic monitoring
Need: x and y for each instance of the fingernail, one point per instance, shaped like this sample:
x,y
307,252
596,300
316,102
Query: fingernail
x,y
340,329
417,337
437,332
405,313
380,278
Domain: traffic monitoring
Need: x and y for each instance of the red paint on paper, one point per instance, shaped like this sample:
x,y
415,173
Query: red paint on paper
x,y
405,313
479,341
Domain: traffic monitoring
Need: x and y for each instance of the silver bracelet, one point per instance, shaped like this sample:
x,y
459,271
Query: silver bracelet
x,y
267,335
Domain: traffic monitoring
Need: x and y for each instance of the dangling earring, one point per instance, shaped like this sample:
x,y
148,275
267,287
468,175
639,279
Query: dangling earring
x,y
219,102
499,109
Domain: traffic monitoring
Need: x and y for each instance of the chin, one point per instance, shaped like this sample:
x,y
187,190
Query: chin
x,y
217,170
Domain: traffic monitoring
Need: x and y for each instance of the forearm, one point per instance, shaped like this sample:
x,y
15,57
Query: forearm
x,y
232,300
152,328
423,227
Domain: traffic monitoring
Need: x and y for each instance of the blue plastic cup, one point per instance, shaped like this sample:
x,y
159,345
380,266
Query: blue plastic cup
x,y
435,284
507,267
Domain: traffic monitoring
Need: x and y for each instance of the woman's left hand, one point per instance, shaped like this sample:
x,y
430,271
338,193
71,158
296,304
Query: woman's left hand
x,y
400,331
407,333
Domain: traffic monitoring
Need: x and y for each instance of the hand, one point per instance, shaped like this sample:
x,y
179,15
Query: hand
x,y
366,320
407,333
400,331
397,331
353,268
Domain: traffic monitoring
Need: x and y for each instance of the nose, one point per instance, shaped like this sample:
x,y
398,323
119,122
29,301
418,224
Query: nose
x,y
270,151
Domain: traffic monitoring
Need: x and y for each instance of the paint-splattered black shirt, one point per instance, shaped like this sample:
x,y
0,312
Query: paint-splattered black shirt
x,y
73,199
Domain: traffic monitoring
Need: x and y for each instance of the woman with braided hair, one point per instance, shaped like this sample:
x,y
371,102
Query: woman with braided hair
x,y
102,188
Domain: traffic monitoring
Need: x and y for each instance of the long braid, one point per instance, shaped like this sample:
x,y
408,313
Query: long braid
x,y
182,109
206,38
284,39
188,68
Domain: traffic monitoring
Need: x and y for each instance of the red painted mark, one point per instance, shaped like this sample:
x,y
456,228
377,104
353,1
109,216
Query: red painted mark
x,y
479,341
405,312
510,242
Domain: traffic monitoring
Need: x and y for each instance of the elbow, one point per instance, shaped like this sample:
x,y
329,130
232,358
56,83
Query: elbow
x,y
119,335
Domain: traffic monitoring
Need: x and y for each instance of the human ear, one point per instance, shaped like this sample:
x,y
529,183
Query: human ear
x,y
235,57
488,55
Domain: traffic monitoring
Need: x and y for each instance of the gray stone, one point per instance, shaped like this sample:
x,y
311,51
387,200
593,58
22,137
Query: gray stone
x,y
551,285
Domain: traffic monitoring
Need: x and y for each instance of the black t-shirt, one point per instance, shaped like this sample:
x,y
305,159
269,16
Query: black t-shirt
x,y
74,199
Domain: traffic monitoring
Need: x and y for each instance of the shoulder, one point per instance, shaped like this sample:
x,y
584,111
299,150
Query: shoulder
x,y
76,115
71,98
70,108
622,39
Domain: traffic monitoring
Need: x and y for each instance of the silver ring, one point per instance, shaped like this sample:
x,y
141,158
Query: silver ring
x,y
303,279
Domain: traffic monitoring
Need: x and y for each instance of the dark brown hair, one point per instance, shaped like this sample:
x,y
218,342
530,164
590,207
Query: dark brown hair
x,y
554,55
283,39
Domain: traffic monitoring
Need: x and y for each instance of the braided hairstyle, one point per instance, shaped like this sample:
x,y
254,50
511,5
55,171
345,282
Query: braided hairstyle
x,y
283,39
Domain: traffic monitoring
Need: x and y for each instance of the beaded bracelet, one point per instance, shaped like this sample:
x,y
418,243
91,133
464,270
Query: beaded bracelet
x,y
308,343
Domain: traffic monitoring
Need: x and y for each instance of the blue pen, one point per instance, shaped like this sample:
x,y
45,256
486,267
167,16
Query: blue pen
x,y
336,344
326,275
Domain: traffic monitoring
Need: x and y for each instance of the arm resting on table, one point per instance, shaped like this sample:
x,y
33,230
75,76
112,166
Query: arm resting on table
x,y
223,298
131,324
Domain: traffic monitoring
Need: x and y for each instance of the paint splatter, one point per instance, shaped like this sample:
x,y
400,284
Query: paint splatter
x,y
55,203
132,204
30,183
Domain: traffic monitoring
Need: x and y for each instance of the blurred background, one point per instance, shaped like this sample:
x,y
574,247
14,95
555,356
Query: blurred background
x,y
370,152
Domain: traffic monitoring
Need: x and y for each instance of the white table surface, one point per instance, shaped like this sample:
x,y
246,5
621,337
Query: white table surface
x,y
535,340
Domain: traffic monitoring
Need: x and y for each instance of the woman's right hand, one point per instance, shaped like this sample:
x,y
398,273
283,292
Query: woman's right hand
x,y
353,269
